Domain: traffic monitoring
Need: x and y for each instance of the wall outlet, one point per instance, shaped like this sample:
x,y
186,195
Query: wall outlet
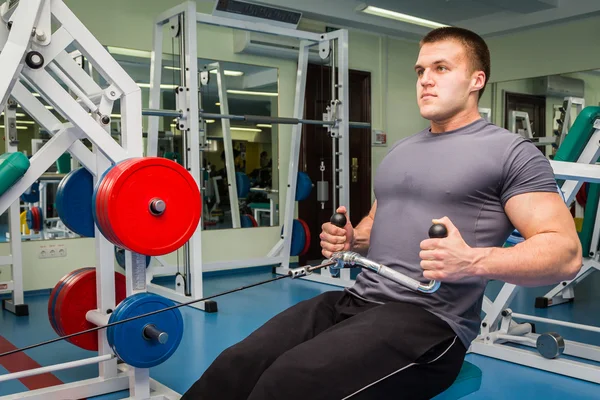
x,y
52,251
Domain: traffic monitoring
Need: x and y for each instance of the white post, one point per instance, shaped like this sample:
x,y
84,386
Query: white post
x,y
290,201
228,147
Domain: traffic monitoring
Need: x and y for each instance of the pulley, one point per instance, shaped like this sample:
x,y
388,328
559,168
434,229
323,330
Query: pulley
x,y
35,219
149,205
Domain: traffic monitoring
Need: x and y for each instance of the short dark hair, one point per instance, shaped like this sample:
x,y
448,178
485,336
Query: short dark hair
x,y
477,50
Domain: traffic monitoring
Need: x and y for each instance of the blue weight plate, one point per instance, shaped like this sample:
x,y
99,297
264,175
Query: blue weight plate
x,y
29,219
32,195
74,202
304,186
127,340
115,316
242,181
298,238
120,257
94,194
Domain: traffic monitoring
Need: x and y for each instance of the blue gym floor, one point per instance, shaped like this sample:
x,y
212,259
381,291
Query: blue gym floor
x,y
206,335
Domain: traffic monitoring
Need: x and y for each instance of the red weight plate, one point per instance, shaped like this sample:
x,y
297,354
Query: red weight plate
x,y
77,297
35,222
128,206
307,234
56,309
105,188
120,169
100,208
54,293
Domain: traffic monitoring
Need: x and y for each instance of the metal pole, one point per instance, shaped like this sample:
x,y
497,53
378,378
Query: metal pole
x,y
253,118
57,367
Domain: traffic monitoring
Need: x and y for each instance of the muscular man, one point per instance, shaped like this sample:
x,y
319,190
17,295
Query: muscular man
x,y
380,340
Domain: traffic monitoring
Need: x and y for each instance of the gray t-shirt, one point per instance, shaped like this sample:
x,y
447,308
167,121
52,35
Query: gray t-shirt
x,y
467,175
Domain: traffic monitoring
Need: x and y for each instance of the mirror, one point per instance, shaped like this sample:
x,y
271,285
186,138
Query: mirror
x,y
245,90
542,108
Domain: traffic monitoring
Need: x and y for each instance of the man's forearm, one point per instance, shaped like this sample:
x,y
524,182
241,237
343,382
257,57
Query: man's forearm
x,y
362,236
543,259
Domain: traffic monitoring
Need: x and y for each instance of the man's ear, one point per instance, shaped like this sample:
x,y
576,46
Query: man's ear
x,y
478,80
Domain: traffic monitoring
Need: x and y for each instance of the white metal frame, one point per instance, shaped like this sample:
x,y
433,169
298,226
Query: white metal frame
x,y
280,252
538,141
499,328
84,121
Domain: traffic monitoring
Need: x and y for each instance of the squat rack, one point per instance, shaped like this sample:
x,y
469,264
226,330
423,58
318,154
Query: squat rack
x,y
191,120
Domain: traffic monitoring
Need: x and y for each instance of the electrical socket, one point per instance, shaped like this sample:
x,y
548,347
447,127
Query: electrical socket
x,y
52,251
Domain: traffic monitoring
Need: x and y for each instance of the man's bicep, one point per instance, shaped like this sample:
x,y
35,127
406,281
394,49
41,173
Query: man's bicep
x,y
539,212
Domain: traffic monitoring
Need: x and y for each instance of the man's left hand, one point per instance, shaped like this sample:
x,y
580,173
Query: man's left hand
x,y
447,259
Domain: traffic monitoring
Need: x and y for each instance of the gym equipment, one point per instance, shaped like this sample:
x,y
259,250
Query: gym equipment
x,y
143,344
243,184
32,195
501,328
148,342
349,258
248,221
74,202
120,257
140,197
12,167
300,238
322,187
35,219
71,298
304,186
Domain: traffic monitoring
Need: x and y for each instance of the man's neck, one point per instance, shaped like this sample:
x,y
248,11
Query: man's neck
x,y
455,122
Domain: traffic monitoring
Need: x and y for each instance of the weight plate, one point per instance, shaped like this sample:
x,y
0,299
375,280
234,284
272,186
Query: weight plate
x,y
105,187
120,257
74,202
52,299
248,221
127,202
75,299
298,238
32,195
94,202
307,237
127,340
304,186
29,219
550,345
242,182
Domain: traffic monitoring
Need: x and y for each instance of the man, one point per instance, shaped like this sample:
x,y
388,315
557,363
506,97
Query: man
x,y
378,339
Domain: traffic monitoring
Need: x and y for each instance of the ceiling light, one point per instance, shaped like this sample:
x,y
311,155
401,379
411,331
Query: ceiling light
x,y
228,73
129,52
233,128
26,122
382,12
36,94
18,127
271,94
217,104
264,125
173,68
115,115
49,107
209,121
16,114
147,85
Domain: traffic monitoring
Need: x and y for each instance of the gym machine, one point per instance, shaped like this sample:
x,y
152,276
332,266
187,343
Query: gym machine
x,y
191,120
33,56
573,165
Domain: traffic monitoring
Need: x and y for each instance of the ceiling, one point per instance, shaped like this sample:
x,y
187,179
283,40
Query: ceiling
x,y
486,17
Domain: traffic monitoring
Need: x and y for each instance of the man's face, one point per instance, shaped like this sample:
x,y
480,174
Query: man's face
x,y
444,80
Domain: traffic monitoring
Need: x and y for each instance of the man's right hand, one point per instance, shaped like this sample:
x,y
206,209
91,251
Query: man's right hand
x,y
334,238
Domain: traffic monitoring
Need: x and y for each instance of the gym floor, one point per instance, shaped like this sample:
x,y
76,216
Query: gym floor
x,y
206,335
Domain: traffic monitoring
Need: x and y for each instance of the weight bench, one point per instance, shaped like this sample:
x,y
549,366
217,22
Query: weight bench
x,y
467,382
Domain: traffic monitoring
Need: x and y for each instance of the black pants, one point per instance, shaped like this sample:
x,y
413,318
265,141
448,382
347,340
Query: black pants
x,y
336,346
